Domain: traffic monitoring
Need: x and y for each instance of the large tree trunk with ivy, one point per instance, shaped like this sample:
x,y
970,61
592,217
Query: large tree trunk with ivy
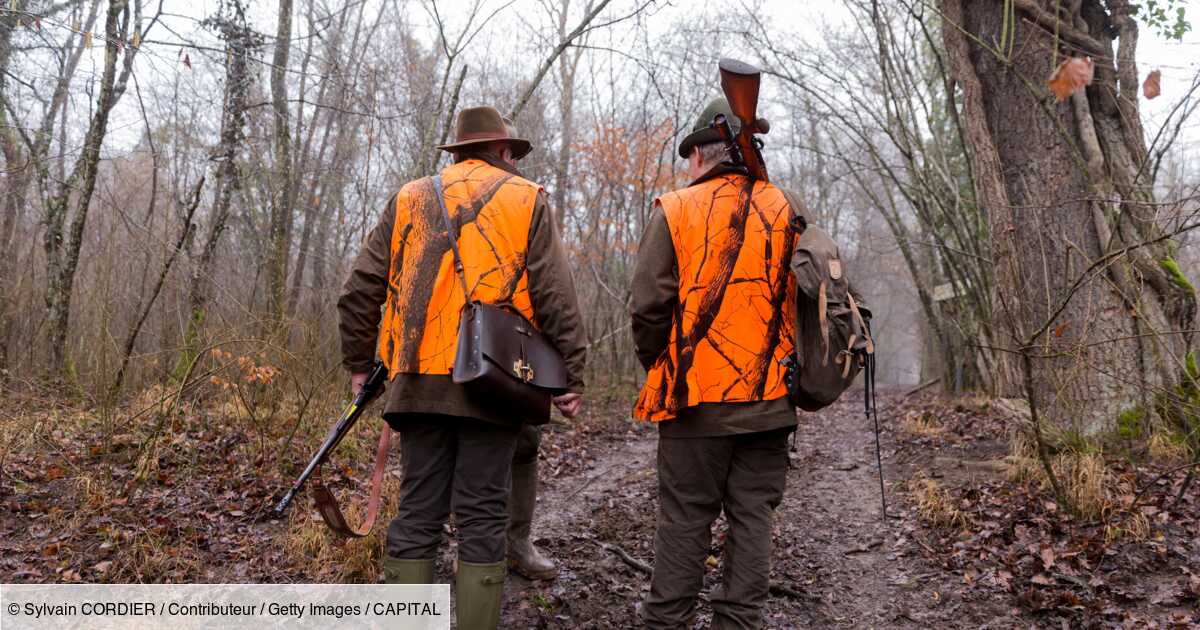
x,y
1087,293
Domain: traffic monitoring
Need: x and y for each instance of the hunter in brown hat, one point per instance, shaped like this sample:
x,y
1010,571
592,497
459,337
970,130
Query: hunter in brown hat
x,y
457,445
713,315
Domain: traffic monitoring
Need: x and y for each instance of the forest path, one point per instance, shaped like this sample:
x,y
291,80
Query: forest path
x,y
844,566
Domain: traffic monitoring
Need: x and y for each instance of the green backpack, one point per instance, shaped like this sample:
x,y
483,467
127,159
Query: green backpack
x,y
833,333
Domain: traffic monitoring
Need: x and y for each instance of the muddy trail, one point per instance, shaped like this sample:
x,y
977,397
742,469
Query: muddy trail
x,y
973,539
835,564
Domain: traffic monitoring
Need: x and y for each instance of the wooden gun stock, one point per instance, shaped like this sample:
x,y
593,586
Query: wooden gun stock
x,y
740,83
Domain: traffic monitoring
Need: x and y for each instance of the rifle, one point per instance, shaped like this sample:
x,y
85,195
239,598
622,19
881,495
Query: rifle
x,y
739,82
326,504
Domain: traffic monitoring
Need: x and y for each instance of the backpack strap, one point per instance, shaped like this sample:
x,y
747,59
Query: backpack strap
x,y
823,317
862,325
799,215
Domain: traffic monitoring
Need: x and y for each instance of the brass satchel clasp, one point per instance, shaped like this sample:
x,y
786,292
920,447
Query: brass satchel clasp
x,y
523,370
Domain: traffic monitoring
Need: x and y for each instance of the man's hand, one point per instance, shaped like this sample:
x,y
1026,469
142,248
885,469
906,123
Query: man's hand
x,y
356,382
568,404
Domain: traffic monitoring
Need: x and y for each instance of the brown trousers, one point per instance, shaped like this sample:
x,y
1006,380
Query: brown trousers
x,y
744,475
458,464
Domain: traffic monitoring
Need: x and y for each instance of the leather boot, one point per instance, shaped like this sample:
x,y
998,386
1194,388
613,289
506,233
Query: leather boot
x,y
479,589
401,571
523,556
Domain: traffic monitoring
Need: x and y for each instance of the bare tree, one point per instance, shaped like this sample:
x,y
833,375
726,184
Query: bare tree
x,y
278,253
62,242
241,41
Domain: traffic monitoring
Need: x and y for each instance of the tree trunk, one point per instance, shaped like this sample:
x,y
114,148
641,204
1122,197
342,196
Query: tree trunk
x,y
1082,291
63,245
13,202
240,40
281,188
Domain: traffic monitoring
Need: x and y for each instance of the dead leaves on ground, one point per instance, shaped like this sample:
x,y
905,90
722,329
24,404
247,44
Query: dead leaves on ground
x,y
1136,564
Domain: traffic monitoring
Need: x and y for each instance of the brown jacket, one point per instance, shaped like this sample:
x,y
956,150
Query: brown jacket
x,y
552,292
655,297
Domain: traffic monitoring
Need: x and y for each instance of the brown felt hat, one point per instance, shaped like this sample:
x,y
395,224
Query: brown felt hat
x,y
481,125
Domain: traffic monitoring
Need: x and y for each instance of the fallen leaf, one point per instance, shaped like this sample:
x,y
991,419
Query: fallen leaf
x,y
1070,76
1152,86
1043,580
1003,578
1047,556
102,567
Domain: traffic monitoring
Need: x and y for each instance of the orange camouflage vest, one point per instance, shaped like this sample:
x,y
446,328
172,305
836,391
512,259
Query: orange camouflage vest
x,y
492,211
735,316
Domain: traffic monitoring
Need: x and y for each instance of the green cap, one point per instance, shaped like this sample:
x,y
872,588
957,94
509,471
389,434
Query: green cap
x,y
702,133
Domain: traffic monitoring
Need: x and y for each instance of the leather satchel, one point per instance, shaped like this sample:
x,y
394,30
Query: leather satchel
x,y
500,353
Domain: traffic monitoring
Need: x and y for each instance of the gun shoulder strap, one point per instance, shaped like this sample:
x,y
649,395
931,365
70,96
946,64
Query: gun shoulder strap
x,y
327,505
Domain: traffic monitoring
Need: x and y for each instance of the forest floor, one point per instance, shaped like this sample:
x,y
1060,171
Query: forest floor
x,y
966,545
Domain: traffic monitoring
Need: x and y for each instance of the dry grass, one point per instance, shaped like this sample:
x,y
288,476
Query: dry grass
x,y
1085,481
1135,526
350,561
1167,447
921,424
1082,473
1023,464
935,506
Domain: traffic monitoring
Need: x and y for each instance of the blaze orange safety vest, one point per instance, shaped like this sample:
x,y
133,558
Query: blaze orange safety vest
x,y
735,317
492,211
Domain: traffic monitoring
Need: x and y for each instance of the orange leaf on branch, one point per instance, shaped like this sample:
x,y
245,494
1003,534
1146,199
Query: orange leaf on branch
x,y
1152,86
1070,76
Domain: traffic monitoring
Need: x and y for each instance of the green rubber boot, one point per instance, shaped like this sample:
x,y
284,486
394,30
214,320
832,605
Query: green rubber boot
x,y
480,591
400,571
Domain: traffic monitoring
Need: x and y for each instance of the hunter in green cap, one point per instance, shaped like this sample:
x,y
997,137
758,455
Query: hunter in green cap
x,y
714,384
702,132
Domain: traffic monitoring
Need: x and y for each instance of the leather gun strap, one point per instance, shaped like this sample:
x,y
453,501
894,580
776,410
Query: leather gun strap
x,y
866,332
327,505
450,234
823,318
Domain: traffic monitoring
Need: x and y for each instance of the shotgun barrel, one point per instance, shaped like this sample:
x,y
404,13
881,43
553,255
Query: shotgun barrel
x,y
369,391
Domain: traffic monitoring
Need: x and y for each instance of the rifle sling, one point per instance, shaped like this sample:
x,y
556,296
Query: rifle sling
x,y
327,505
